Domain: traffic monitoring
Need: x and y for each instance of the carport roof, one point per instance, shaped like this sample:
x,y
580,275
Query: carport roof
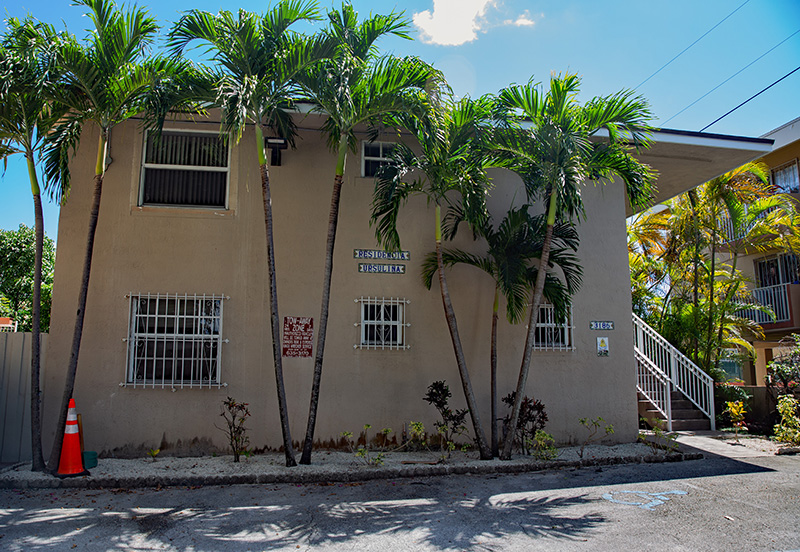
x,y
687,159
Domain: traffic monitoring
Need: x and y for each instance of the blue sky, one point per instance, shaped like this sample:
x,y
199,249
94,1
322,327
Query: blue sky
x,y
484,45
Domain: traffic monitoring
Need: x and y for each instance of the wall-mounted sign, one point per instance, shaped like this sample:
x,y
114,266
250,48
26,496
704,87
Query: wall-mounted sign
x,y
371,268
602,346
380,255
298,335
601,325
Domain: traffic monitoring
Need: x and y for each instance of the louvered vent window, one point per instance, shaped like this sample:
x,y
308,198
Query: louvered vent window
x,y
187,169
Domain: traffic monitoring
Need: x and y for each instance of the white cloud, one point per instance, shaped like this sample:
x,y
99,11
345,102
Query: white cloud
x,y
524,20
453,22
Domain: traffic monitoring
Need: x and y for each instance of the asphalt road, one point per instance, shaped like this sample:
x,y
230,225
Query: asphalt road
x,y
712,504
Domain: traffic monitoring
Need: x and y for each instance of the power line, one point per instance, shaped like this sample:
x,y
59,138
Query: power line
x,y
750,98
692,44
729,78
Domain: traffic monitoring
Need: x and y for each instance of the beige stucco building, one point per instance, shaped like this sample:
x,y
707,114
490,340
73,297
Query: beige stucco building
x,y
155,368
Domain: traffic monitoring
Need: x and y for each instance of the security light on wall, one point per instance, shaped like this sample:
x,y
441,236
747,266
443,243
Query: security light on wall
x,y
276,145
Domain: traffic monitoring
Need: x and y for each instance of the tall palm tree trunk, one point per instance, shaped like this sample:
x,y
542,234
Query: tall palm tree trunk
x,y
452,325
333,219
696,283
37,462
277,356
493,376
541,276
711,294
72,368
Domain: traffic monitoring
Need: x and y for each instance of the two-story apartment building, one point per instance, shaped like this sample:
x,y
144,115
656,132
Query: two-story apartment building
x,y
178,312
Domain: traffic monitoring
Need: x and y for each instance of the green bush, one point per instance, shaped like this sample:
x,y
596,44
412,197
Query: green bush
x,y
788,430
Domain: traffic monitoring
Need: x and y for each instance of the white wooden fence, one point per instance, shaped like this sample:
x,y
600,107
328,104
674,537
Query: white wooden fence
x,y
15,395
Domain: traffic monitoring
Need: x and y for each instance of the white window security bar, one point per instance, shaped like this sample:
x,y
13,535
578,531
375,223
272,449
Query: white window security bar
x,y
383,323
174,341
552,334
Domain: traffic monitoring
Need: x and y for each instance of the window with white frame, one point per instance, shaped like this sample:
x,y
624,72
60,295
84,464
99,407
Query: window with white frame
x,y
373,156
174,340
183,168
777,270
383,323
552,333
786,178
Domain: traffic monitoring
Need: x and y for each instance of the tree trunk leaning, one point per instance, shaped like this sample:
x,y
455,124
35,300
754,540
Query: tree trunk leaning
x,y
72,368
508,437
37,461
493,376
277,355
333,219
449,313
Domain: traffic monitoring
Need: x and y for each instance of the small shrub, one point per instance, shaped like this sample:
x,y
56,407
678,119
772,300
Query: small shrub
x,y
452,423
662,441
788,430
736,411
542,446
235,414
364,452
783,373
594,426
532,419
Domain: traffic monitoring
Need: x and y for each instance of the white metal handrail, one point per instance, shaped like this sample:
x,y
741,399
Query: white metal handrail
x,y
775,297
685,375
654,385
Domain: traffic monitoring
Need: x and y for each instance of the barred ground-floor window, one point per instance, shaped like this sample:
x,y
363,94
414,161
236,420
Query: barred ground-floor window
x,y
174,340
383,323
553,333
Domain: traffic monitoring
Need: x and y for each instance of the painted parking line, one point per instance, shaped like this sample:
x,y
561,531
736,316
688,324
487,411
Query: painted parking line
x,y
644,500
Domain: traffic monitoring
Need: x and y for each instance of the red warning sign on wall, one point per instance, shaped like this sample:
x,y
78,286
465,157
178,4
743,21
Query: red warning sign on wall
x,y
298,333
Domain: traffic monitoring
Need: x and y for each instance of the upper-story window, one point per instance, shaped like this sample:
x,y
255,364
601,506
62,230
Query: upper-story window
x,y
786,179
373,156
777,270
187,169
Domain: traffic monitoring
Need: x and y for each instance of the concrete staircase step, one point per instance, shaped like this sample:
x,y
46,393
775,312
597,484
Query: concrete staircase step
x,y
691,425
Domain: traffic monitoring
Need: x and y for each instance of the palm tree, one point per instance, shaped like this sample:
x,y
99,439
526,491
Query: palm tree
x,y
354,88
103,81
259,59
557,155
26,117
452,169
511,248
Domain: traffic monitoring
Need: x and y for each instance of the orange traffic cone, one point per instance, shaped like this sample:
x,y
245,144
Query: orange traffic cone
x,y
71,462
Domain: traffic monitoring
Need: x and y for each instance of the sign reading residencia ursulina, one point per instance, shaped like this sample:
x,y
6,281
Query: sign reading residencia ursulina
x,y
380,255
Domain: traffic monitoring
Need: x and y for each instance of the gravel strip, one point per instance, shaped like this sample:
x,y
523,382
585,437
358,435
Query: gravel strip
x,y
328,466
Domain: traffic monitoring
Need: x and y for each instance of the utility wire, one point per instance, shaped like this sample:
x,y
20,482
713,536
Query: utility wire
x,y
729,78
692,44
750,98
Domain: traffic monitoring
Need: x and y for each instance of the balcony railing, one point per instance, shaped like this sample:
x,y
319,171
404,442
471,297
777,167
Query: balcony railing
x,y
774,297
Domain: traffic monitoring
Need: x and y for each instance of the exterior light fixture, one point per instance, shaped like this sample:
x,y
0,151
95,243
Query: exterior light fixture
x,y
275,146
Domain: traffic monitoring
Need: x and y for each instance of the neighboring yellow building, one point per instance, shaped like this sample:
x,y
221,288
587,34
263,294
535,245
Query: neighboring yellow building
x,y
776,274
178,314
